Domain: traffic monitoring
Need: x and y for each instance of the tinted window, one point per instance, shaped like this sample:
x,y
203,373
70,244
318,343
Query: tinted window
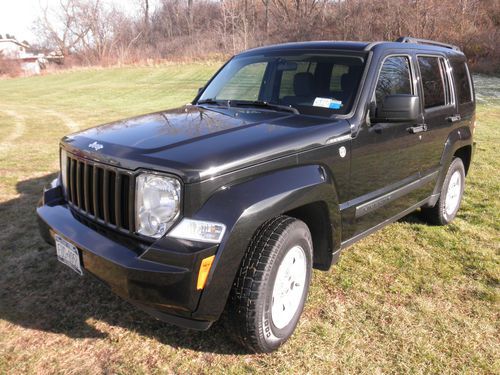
x,y
461,82
287,77
432,81
320,84
336,78
245,84
394,78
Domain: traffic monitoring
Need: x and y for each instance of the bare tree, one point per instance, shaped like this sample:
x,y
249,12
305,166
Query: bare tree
x,y
61,27
194,29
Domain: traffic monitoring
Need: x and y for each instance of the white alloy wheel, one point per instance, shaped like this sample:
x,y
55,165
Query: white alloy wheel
x,y
270,290
453,193
289,287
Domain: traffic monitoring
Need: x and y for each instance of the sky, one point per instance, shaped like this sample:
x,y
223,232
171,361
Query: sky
x,y
17,16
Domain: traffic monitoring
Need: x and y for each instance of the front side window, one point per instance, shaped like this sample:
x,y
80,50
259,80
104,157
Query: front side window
x,y
321,84
394,78
433,81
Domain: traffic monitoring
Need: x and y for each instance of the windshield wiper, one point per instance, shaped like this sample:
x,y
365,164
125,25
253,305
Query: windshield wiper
x,y
260,103
209,101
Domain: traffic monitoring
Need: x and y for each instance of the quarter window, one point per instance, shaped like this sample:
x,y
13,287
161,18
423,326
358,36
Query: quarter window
x,y
394,78
462,82
436,92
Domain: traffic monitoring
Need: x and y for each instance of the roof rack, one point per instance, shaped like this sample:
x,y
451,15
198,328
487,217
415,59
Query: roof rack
x,y
408,39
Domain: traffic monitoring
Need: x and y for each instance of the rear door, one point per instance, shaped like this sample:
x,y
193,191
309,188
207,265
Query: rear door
x,y
438,98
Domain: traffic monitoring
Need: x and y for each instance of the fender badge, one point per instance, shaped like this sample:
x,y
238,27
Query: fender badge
x,y
96,146
342,151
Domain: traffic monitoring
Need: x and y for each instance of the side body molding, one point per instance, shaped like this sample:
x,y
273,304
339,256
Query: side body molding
x,y
244,207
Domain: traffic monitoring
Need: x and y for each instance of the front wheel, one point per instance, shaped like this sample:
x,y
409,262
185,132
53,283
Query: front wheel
x,y
446,208
271,287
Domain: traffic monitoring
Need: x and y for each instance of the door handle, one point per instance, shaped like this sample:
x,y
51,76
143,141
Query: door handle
x,y
454,118
417,129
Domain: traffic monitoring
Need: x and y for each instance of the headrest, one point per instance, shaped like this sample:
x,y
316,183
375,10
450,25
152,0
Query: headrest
x,y
303,84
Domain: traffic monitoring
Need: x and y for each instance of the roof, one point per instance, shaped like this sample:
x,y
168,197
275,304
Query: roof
x,y
316,45
404,43
15,41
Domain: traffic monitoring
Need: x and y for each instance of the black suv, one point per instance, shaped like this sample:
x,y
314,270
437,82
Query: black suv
x,y
288,155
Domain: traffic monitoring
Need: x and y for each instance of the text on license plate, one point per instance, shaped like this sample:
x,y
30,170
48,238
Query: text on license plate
x,y
68,254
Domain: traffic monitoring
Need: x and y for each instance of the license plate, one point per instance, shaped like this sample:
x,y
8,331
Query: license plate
x,y
68,254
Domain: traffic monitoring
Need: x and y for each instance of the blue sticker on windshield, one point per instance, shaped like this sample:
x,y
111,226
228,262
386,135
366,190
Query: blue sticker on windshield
x,y
327,103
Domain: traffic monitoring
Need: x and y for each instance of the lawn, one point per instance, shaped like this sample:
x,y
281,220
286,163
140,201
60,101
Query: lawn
x,y
411,298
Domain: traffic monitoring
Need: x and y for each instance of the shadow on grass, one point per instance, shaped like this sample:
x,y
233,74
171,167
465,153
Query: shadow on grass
x,y
413,218
37,292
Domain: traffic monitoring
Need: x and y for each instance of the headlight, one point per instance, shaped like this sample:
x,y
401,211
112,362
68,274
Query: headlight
x,y
157,203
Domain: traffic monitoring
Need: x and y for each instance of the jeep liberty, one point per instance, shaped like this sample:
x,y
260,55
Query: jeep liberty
x,y
287,156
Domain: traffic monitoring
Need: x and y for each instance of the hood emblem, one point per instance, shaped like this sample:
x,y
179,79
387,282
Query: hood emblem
x,y
96,146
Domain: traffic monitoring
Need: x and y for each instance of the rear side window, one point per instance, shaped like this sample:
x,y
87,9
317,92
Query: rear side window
x,y
462,82
394,78
433,81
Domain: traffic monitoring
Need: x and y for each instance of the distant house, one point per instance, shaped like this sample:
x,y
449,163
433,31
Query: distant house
x,y
14,50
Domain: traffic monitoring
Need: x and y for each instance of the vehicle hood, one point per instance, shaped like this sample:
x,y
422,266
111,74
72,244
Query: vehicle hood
x,y
196,142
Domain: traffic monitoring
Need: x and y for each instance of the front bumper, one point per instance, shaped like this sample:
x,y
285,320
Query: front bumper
x,y
159,278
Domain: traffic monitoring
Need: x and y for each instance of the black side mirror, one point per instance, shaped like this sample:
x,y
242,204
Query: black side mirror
x,y
398,108
200,89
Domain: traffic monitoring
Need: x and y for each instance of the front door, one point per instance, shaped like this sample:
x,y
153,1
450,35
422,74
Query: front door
x,y
386,157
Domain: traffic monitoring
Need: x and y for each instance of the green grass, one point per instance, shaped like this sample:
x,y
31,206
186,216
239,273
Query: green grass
x,y
411,298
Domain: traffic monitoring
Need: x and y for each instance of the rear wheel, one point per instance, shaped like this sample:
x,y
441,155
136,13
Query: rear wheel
x,y
271,287
446,208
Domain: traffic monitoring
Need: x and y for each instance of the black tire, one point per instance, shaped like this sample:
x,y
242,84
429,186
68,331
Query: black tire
x,y
249,312
438,214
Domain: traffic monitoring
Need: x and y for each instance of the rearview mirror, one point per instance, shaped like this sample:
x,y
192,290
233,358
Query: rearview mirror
x,y
398,108
287,66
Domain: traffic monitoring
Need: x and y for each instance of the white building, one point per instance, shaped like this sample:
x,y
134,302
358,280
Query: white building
x,y
12,48
15,50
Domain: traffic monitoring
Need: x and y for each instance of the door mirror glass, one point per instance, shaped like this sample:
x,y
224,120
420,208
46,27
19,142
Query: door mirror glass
x,y
398,108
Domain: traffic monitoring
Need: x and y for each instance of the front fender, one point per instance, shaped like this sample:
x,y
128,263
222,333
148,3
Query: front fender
x,y
246,206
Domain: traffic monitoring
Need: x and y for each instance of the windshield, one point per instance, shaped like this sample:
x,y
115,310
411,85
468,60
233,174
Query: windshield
x,y
315,84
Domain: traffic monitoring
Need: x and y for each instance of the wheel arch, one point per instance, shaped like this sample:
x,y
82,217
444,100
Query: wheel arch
x,y
315,216
458,144
301,192
464,153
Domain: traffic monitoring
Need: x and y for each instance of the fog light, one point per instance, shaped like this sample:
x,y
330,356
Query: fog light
x,y
198,230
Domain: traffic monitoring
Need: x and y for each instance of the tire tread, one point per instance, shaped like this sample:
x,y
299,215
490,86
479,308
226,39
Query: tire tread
x,y
244,298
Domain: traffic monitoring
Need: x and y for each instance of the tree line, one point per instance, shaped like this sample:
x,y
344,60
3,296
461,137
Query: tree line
x,y
91,32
